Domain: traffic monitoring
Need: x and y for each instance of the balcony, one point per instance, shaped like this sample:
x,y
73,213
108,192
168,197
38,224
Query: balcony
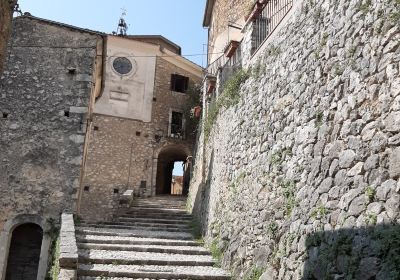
x,y
265,18
224,66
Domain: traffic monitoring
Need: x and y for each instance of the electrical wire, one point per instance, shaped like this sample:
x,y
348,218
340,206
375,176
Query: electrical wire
x,y
92,47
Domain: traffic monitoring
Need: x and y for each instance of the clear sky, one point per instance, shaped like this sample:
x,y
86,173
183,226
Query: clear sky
x,y
178,20
178,169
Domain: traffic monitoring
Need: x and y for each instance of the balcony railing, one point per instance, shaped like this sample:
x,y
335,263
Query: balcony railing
x,y
233,64
270,17
217,64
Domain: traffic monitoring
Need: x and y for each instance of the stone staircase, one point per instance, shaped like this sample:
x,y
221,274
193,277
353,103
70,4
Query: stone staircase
x,y
151,240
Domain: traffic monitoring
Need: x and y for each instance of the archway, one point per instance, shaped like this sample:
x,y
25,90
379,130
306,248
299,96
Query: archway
x,y
24,252
165,165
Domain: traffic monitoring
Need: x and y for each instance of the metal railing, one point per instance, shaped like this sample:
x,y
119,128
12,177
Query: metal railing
x,y
217,64
231,66
270,17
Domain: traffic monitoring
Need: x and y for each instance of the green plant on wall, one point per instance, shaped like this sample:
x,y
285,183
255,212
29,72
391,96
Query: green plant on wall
x,y
193,99
216,252
319,118
289,195
364,7
255,273
369,194
371,219
53,233
230,96
272,228
319,212
54,266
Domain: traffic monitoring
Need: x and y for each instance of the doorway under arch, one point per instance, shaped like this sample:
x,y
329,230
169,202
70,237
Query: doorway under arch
x,y
167,158
24,252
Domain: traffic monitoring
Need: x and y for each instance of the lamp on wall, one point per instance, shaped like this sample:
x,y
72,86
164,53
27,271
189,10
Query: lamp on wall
x,y
158,135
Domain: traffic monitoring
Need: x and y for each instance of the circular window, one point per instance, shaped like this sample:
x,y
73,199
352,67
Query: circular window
x,y
122,65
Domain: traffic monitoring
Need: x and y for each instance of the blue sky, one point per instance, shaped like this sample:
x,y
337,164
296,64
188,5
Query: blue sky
x,y
178,170
178,20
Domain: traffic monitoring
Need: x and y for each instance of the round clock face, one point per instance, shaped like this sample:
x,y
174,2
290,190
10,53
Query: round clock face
x,y
122,65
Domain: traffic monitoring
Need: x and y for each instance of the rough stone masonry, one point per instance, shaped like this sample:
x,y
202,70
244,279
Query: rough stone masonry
x,y
42,117
302,176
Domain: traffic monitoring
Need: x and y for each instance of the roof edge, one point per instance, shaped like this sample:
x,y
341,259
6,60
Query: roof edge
x,y
208,13
165,39
29,16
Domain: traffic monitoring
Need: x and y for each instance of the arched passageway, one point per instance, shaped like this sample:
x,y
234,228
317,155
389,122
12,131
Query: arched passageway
x,y
165,164
24,252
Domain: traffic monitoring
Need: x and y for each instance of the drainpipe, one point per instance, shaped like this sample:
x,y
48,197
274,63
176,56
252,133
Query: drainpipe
x,y
98,74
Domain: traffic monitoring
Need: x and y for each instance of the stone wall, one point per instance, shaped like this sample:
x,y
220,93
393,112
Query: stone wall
x,y
43,118
6,7
123,152
300,180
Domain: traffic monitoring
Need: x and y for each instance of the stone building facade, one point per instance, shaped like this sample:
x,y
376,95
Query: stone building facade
x,y
300,178
133,141
46,90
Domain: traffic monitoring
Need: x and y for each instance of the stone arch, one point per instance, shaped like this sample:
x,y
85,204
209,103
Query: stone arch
x,y
19,224
166,157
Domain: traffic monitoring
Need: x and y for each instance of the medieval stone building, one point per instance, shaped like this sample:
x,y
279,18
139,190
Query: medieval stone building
x,y
141,122
84,116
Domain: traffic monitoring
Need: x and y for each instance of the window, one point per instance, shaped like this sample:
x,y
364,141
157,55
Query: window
x,y
176,124
179,83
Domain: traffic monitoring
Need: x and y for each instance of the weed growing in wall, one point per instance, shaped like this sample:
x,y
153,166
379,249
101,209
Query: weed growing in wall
x,y
53,267
318,118
369,194
377,242
272,228
216,252
230,96
320,212
364,8
371,219
255,273
289,194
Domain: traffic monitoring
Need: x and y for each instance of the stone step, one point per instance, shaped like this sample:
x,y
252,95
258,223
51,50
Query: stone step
x,y
165,216
185,250
119,278
134,233
157,210
159,205
184,225
154,220
147,228
142,258
152,272
98,239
